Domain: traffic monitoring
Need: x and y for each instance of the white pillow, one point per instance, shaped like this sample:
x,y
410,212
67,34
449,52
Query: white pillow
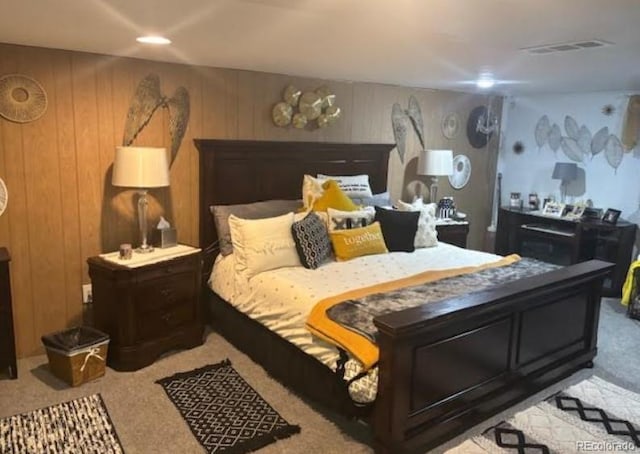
x,y
343,220
311,190
263,244
426,235
353,186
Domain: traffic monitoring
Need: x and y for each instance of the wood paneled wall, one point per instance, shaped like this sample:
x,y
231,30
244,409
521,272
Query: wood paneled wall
x,y
63,209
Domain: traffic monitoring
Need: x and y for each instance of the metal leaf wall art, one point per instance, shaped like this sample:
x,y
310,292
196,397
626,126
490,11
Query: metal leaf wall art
x,y
578,143
146,101
400,121
543,129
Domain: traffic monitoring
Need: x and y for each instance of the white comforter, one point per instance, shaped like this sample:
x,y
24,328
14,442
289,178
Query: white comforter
x,y
282,299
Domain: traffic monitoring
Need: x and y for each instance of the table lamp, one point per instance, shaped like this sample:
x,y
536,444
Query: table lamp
x,y
435,163
566,172
142,168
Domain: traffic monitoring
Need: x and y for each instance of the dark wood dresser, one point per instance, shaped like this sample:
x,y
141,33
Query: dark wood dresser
x,y
564,241
7,340
147,310
455,234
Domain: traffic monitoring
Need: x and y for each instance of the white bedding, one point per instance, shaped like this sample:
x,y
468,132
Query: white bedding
x,y
282,299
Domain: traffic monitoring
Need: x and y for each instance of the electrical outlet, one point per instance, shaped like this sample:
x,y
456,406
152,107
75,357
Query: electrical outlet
x,y
87,296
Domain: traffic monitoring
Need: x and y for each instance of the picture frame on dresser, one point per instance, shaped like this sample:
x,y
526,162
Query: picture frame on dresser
x,y
611,216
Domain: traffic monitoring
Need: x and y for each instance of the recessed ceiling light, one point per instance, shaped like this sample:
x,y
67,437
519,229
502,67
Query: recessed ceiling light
x,y
153,39
485,81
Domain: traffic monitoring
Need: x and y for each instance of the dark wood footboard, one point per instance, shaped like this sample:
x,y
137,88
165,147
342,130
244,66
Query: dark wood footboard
x,y
446,366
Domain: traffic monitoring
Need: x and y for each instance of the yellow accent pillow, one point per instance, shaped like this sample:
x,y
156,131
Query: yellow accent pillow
x,y
333,197
352,243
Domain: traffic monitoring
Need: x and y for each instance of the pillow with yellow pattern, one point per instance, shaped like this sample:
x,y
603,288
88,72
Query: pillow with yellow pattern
x,y
352,243
333,197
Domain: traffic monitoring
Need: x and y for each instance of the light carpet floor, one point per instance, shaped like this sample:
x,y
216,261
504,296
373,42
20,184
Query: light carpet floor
x,y
147,421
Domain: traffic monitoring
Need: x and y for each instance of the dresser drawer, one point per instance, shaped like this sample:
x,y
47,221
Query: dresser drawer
x,y
187,264
157,294
160,323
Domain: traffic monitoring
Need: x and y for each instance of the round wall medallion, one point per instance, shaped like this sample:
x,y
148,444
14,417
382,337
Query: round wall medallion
x,y
461,172
4,196
477,138
450,125
310,105
22,99
282,113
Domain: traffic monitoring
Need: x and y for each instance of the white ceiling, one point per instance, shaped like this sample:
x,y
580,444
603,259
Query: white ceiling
x,y
420,43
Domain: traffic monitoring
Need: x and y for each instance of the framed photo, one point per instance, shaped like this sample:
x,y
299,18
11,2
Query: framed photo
x,y
611,216
576,211
553,209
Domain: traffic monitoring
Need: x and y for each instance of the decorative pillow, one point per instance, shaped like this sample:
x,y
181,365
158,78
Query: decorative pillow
x,y
398,228
377,200
333,197
262,244
353,186
312,241
311,191
257,210
427,235
352,243
341,220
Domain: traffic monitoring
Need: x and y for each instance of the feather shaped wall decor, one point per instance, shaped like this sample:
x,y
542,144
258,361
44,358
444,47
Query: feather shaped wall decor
x,y
415,115
542,131
555,137
571,126
400,121
571,148
599,140
613,151
147,99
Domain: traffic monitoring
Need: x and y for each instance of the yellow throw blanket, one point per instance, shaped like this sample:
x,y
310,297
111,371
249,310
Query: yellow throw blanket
x,y
359,346
628,283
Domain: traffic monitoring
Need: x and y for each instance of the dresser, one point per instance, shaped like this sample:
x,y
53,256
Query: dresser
x,y
147,310
564,241
7,340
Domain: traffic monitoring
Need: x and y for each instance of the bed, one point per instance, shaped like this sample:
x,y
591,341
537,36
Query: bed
x,y
523,335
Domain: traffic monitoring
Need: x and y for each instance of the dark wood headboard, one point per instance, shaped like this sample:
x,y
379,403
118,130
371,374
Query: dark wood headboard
x,y
244,171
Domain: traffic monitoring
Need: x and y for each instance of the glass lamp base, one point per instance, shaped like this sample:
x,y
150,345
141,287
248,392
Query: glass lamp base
x,y
144,249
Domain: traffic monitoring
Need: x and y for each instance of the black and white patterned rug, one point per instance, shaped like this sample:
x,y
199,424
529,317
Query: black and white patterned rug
x,y
223,411
591,416
78,426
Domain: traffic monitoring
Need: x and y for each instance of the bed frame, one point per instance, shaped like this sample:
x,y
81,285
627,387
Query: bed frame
x,y
445,366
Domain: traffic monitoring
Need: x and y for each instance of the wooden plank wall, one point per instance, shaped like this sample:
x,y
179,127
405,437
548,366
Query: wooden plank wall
x,y
63,209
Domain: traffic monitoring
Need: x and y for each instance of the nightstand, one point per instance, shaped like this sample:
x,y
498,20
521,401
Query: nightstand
x,y
149,305
453,232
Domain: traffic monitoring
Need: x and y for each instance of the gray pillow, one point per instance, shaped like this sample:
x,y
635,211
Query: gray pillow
x,y
382,199
256,210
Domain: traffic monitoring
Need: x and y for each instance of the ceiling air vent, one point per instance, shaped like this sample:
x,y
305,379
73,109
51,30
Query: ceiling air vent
x,y
565,47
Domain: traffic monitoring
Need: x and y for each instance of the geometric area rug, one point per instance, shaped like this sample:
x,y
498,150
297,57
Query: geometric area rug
x,y
77,426
591,416
224,413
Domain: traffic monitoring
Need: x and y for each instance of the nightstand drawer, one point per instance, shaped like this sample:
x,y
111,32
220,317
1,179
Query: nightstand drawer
x,y
187,264
161,322
157,294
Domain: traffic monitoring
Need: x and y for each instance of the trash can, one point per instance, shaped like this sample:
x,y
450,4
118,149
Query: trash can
x,y
77,355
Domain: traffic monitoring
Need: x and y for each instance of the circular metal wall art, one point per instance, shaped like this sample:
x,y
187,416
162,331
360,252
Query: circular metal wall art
x,y
4,196
451,125
477,138
461,172
22,99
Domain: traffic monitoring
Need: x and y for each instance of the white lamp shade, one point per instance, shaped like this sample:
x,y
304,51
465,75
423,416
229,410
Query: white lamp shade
x,y
140,167
435,162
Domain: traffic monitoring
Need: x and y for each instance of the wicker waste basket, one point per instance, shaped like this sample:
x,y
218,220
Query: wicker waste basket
x,y
77,355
